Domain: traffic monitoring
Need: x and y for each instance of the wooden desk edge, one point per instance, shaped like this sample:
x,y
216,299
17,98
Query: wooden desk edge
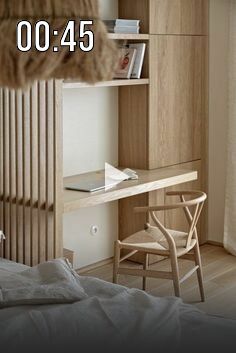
x,y
114,194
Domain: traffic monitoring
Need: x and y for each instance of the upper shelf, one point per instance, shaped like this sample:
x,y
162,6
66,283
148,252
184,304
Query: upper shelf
x,y
113,83
149,180
128,36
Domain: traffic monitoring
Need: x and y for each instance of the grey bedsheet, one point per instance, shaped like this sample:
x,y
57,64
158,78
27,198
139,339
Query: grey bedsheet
x,y
48,283
111,319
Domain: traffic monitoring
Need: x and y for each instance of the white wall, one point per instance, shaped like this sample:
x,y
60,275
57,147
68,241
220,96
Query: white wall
x,y
91,139
218,105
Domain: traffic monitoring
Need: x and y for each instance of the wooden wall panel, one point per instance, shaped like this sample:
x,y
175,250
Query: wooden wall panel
x,y
133,127
6,168
136,9
34,174
12,105
179,17
1,171
176,99
31,172
57,168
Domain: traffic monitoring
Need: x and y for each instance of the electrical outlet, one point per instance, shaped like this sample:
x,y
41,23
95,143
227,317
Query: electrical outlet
x,y
94,230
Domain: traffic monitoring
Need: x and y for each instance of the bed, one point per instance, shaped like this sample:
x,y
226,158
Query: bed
x,y
104,317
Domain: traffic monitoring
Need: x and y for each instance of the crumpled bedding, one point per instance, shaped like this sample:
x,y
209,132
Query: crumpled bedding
x,y
113,318
48,283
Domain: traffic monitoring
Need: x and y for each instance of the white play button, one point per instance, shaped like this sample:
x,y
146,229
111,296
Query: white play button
x,y
113,176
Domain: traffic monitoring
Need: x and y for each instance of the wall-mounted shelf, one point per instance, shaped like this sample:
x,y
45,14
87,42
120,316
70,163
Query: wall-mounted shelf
x,y
149,180
128,36
114,83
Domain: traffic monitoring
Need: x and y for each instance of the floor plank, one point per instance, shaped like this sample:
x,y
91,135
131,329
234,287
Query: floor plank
x,y
219,270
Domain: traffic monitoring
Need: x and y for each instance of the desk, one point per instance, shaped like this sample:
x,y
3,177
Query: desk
x,y
149,180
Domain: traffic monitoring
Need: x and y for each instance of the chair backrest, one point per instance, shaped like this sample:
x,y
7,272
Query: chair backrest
x,y
195,203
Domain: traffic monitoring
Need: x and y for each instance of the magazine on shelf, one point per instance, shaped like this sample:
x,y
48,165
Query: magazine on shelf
x,y
138,64
126,62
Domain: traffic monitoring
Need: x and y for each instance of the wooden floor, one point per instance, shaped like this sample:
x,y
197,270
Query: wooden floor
x,y
219,278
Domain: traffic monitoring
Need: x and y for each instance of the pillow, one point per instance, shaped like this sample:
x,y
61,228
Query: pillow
x,y
53,282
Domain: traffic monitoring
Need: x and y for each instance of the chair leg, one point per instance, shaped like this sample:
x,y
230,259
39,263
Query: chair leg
x,y
145,267
116,262
198,262
175,272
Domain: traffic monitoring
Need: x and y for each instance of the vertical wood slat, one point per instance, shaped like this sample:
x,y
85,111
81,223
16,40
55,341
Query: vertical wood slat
x,y
34,175
42,169
6,170
49,168
12,171
58,169
31,172
19,178
1,169
26,177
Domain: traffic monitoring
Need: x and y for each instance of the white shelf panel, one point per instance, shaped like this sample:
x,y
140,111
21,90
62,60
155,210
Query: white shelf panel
x,y
70,84
128,36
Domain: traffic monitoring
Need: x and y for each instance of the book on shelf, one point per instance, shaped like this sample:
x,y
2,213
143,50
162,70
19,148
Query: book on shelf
x,y
122,26
126,63
139,59
125,23
127,29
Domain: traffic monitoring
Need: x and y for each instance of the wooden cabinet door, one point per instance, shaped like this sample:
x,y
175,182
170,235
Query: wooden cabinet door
x,y
179,17
177,99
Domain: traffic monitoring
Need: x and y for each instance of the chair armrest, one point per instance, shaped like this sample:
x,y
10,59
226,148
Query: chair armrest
x,y
200,197
187,193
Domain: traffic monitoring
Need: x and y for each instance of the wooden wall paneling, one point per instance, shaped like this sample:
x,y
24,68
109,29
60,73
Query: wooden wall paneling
x,y
19,177
6,171
31,172
136,9
1,170
133,126
176,106
12,201
49,168
58,169
205,138
133,153
42,171
34,174
27,176
179,17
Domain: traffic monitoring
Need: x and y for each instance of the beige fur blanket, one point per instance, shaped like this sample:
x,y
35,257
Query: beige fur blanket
x,y
20,69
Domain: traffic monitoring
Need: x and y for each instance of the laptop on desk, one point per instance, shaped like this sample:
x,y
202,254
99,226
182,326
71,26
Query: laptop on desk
x,y
90,186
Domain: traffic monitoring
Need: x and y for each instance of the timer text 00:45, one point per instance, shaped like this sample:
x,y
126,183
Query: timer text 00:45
x,y
43,32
